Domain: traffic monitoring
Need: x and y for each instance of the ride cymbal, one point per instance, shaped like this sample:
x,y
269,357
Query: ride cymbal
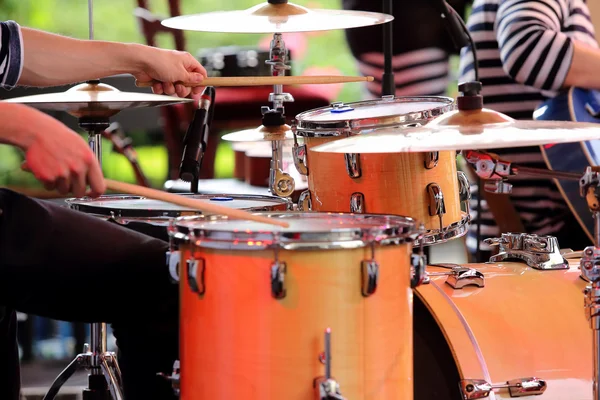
x,y
276,18
96,100
475,136
261,134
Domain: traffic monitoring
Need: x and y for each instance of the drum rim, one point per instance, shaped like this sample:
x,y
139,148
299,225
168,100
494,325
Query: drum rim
x,y
84,205
394,230
303,128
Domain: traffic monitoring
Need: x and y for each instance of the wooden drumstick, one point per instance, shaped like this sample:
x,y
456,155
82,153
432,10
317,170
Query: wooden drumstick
x,y
268,80
190,202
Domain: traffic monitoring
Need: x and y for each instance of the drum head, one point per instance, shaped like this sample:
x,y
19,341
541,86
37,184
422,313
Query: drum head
x,y
141,207
367,115
306,230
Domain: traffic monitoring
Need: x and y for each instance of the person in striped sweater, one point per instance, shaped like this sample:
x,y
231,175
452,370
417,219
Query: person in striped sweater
x,y
422,47
528,50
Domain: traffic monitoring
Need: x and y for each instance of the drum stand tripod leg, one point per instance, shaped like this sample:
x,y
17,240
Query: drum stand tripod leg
x,y
105,374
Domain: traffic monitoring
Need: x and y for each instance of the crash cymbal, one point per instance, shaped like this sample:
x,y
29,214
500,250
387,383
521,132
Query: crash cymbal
x,y
276,18
95,100
261,134
472,136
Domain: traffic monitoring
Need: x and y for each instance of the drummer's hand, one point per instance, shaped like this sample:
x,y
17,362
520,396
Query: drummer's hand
x,y
170,66
63,161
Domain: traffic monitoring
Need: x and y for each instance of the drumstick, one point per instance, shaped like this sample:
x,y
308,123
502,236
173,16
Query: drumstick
x,y
267,80
190,202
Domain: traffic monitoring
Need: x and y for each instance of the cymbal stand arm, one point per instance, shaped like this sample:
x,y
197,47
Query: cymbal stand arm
x,y
590,270
95,127
495,171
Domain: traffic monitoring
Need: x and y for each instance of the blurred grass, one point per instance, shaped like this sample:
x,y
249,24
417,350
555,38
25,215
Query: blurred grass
x,y
114,20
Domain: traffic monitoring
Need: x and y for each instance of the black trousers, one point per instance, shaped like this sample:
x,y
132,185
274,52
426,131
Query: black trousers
x,y
66,265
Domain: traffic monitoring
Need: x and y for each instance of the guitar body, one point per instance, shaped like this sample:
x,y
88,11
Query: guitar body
x,y
578,105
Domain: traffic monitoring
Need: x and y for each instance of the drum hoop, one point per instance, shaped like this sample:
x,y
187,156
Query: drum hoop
x,y
340,127
394,230
84,205
453,231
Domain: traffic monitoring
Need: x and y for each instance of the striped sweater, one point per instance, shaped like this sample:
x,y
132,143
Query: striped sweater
x,y
525,48
11,54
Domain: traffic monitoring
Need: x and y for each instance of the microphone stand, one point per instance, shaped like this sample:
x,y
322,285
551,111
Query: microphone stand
x,y
388,85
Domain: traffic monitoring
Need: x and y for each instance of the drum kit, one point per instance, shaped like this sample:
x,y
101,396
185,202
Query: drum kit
x,y
334,299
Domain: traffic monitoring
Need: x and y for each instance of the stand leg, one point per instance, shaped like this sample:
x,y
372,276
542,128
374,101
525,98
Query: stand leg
x,y
64,376
112,375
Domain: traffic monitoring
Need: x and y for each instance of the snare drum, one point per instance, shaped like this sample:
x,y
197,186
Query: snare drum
x,y
256,301
522,323
152,217
424,186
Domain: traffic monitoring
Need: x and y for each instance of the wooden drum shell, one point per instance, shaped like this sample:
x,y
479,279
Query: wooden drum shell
x,y
239,342
391,183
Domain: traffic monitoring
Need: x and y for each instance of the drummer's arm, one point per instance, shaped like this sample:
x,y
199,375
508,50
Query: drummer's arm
x,y
525,29
46,59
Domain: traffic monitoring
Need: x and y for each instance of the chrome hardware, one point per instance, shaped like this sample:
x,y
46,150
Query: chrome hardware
x,y
486,166
174,377
539,252
278,270
454,230
281,98
590,264
497,187
278,61
388,97
353,165
305,201
480,389
195,271
418,262
369,274
280,183
459,276
431,159
299,153
173,259
464,188
437,205
325,387
357,203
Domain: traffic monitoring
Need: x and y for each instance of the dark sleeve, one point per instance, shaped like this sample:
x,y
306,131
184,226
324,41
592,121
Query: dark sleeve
x,y
11,54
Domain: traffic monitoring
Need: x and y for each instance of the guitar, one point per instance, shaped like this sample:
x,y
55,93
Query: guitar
x,y
578,105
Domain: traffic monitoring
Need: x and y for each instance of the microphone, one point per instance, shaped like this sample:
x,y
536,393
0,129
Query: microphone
x,y
195,140
454,27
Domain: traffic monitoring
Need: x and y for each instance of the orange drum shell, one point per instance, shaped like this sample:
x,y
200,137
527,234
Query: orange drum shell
x,y
238,342
391,183
524,322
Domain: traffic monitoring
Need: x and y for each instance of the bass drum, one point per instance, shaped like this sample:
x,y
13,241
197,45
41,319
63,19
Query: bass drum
x,y
523,323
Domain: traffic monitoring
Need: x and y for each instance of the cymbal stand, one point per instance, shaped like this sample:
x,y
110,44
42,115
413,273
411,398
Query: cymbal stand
x,y
280,183
105,374
590,270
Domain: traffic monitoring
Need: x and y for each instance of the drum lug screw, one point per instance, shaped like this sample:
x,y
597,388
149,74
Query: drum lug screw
x,y
195,271
278,270
431,159
437,206
357,203
305,201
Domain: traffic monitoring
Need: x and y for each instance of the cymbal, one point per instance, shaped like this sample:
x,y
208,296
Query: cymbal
x,y
261,134
95,100
481,136
276,18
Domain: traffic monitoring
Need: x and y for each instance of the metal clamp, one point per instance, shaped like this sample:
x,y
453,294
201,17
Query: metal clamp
x,y
195,273
305,201
431,159
459,276
353,165
173,259
479,388
299,154
539,252
357,203
325,387
437,205
491,169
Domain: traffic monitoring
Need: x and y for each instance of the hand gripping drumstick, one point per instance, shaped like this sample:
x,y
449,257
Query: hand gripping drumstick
x,y
267,80
189,202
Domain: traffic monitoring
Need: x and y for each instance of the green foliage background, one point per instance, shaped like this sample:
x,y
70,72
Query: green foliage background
x,y
114,20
